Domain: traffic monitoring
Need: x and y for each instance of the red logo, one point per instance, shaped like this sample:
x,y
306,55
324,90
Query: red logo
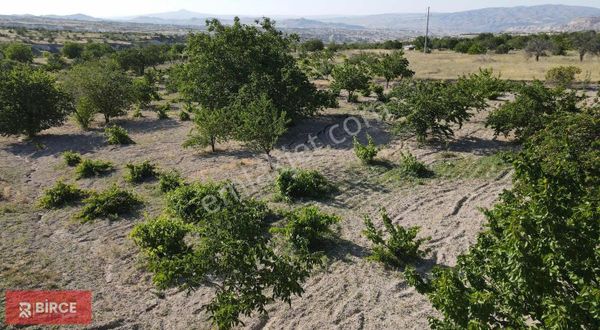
x,y
48,307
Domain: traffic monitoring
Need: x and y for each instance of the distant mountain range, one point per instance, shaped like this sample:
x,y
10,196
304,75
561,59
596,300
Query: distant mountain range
x,y
509,19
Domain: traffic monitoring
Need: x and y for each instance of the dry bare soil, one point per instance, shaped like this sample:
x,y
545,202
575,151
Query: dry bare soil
x,y
42,249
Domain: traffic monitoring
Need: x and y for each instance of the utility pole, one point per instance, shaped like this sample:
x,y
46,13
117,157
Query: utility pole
x,y
426,32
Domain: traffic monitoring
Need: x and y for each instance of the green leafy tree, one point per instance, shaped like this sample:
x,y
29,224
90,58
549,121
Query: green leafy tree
x,y
392,66
72,50
538,47
533,107
103,85
260,123
55,63
562,76
536,264
95,51
211,127
313,45
144,92
19,52
586,43
350,77
30,101
229,249
213,80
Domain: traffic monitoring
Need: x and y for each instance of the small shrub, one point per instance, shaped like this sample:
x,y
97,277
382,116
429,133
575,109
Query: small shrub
x,y
366,153
140,172
400,248
184,116
117,135
61,194
411,166
293,183
161,237
195,202
110,203
162,112
307,228
84,113
170,181
71,158
89,168
562,76
137,112
353,98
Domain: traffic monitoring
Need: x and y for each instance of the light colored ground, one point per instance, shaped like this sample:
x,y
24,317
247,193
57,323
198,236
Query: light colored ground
x,y
49,250
514,66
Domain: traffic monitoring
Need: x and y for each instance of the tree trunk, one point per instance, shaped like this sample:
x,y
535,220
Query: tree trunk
x,y
350,96
212,143
537,58
387,83
106,119
270,160
581,55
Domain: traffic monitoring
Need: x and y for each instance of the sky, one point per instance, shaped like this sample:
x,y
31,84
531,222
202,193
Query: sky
x,y
119,8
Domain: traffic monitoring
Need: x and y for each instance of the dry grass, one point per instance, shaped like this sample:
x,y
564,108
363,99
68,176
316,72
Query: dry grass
x,y
514,66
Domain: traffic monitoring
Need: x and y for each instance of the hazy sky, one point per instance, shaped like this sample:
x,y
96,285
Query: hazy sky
x,y
115,8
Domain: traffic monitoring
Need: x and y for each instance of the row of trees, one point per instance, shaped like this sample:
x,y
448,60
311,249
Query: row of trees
x,y
585,43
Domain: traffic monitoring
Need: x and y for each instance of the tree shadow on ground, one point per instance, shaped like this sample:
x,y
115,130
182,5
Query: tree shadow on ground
x,y
476,146
146,124
333,131
47,145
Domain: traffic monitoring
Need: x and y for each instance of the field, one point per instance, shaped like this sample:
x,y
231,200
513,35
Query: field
x,y
49,250
513,66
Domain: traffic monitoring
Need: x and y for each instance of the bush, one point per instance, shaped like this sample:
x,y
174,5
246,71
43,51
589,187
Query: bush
x,y
89,168
161,237
141,172
562,76
411,166
400,248
184,116
230,245
117,135
307,228
292,184
110,203
84,113
169,181
536,263
366,153
30,101
476,49
72,158
61,194
534,106
162,111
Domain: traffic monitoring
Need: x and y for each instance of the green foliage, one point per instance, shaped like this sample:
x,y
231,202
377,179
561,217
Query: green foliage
x,y
169,181
257,54
111,203
117,135
210,128
141,172
19,52
260,123
144,92
184,115
470,167
412,167
317,65
161,237
60,195
431,108
89,168
103,86
229,246
55,63
401,246
313,45
562,76
71,158
292,184
366,153
476,49
351,77
94,51
483,85
162,112
307,228
392,66
72,50
84,113
30,102
538,47
535,266
534,106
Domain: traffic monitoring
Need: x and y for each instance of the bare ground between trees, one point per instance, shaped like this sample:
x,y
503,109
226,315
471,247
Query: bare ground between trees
x,y
50,250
